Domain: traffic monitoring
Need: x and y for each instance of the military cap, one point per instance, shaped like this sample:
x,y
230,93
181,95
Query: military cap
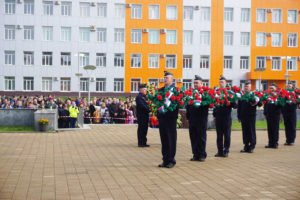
x,y
142,85
247,82
222,78
166,73
198,78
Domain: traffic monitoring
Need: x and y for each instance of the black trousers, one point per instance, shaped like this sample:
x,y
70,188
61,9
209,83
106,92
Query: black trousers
x,y
198,137
249,132
273,129
290,121
223,126
142,130
168,137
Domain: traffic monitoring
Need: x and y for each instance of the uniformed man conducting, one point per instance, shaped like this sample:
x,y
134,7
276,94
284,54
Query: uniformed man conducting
x,y
223,118
272,114
247,116
197,116
290,118
142,113
167,127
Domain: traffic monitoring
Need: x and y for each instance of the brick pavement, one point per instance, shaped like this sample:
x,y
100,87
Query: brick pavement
x,y
104,163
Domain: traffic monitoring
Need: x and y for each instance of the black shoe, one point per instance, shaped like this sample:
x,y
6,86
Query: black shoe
x,y
194,159
201,159
140,145
288,144
271,147
219,155
146,145
244,151
170,165
251,151
225,155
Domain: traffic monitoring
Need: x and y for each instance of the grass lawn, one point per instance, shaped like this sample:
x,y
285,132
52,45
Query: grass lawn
x,y
7,129
259,125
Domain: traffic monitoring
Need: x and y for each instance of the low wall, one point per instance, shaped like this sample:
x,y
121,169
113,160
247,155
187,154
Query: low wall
x,y
17,117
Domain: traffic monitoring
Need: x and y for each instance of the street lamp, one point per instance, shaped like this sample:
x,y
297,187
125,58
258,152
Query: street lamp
x,y
286,75
78,74
91,68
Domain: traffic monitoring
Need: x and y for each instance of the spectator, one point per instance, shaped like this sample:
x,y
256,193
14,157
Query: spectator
x,y
73,109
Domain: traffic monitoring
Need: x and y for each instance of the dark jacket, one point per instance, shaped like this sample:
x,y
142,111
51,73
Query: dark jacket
x,y
271,110
245,110
196,114
170,114
142,108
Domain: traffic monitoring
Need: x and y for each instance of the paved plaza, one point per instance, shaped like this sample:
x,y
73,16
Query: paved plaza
x,y
105,163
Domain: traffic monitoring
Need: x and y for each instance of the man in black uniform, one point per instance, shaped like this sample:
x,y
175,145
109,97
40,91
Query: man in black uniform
x,y
223,124
290,118
247,116
142,113
197,116
167,127
272,113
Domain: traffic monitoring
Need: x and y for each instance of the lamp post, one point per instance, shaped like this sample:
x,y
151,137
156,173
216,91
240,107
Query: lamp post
x,y
78,74
286,75
87,68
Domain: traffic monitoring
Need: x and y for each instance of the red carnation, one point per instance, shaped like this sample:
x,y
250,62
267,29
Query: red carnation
x,y
159,97
173,98
191,102
167,94
181,103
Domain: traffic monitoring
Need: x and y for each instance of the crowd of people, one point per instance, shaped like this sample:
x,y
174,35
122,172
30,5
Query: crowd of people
x,y
106,110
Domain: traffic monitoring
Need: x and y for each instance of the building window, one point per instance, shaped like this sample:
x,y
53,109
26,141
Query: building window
x,y
154,12
120,11
171,12
84,59
47,58
65,34
47,33
260,39
10,83
276,16
84,9
66,8
228,14
153,37
28,33
65,84
188,37
291,63
292,16
204,62
28,7
84,34
260,62
188,13
227,62
118,85
171,37
48,8
187,83
65,59
101,34
10,6
205,37
153,81
100,84
136,36
245,38
46,84
135,85
187,61
10,57
205,14
153,61
276,39
205,83
244,62
119,35
228,38
136,60
292,40
84,84
245,14
10,32
276,63
261,15
102,10
171,61
28,58
28,83
119,60
136,11
101,60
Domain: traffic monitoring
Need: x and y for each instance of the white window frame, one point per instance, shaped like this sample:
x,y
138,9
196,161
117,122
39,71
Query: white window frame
x,y
260,62
293,40
258,15
66,8
48,8
47,33
188,13
295,21
136,36
244,62
153,61
101,59
276,64
291,63
118,85
84,34
228,14
136,60
205,38
28,32
47,83
84,59
119,11
152,12
10,32
65,59
28,83
119,35
153,35
65,84
205,14
29,7
171,61
188,37
100,84
228,38
168,14
245,15
169,35
101,35
187,83
10,7
10,57
136,11
134,85
228,62
9,83
261,36
187,62
275,18
84,84
28,58
119,60
84,8
47,58
65,34
204,62
153,81
276,43
245,39
102,10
